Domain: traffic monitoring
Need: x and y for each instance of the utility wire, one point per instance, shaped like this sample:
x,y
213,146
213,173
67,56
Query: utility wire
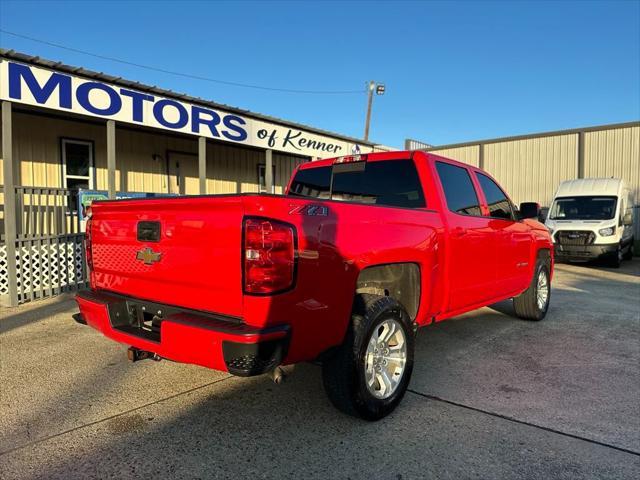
x,y
180,74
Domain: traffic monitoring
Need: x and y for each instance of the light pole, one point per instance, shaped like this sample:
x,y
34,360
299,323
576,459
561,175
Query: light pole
x,y
379,89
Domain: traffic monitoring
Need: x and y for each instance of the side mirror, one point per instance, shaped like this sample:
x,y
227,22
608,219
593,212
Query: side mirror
x,y
542,216
529,210
627,219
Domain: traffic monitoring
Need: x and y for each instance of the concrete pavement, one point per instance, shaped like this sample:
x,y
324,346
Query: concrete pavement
x,y
491,397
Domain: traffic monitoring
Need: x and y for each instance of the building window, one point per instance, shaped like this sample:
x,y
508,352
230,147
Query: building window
x,y
77,166
262,181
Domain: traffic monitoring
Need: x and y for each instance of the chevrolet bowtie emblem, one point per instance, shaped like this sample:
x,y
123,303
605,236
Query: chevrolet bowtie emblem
x,y
148,256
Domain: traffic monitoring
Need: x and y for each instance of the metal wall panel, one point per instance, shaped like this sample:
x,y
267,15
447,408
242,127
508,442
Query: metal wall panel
x,y
36,145
142,159
531,169
614,153
469,154
411,144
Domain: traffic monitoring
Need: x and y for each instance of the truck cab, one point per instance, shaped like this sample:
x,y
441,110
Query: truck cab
x,y
592,218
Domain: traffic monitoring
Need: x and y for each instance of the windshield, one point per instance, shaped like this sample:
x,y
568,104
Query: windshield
x,y
583,208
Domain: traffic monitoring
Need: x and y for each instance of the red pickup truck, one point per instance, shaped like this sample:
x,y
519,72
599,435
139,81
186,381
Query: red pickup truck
x,y
342,269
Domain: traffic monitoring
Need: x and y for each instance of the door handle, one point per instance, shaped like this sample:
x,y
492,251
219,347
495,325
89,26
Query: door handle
x,y
458,232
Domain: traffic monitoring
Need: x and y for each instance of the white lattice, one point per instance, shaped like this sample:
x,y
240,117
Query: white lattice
x,y
4,276
45,267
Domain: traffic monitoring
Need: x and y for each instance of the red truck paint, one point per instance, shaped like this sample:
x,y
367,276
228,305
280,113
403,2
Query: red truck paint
x,y
465,262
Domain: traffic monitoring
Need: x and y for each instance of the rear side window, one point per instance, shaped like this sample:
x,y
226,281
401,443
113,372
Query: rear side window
x,y
497,201
393,183
458,189
312,182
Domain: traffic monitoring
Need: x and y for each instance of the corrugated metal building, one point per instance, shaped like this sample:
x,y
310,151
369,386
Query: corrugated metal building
x,y
530,167
65,128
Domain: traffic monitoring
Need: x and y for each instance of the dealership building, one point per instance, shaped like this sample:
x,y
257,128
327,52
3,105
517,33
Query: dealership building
x,y
65,128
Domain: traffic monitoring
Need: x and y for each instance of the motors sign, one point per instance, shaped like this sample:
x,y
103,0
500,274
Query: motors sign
x,y
30,85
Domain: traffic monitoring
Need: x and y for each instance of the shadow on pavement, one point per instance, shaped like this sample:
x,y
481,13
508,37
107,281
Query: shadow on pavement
x,y
16,317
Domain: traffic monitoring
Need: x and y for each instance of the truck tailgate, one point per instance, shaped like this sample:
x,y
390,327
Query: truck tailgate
x,y
195,263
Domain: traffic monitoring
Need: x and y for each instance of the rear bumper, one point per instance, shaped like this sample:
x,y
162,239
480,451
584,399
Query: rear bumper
x,y
584,252
216,342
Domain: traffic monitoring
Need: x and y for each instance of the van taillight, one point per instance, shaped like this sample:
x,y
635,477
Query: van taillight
x,y
269,256
87,244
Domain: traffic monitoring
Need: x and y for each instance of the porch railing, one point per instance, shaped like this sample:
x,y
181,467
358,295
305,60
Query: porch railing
x,y
49,242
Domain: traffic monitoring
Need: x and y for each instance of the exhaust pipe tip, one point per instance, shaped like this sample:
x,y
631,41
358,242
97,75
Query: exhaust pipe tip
x,y
280,374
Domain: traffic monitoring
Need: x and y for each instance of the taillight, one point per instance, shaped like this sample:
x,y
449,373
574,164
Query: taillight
x,y
87,245
269,256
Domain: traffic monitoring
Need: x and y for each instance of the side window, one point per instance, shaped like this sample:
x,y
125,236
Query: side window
x,y
77,166
393,183
498,203
458,189
312,182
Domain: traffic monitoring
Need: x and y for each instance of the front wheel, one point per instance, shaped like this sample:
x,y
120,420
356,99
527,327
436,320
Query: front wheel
x,y
615,260
368,375
629,253
533,303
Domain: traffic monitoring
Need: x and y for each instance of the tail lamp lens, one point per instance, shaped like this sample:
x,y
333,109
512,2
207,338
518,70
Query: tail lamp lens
x,y
269,256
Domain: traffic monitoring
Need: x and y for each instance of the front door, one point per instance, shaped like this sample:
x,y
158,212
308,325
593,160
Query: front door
x,y
511,239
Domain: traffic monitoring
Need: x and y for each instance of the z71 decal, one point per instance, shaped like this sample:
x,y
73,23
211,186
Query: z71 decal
x,y
310,210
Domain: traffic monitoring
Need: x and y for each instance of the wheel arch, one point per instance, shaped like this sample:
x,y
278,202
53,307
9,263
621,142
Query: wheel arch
x,y
401,281
544,253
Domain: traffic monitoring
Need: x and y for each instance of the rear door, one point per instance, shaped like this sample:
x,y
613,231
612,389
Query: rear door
x,y
470,252
512,238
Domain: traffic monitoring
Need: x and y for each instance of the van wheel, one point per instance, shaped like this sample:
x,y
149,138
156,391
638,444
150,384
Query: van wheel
x,y
628,255
616,258
368,375
533,303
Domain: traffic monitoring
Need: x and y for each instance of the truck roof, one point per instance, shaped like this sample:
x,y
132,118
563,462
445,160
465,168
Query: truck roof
x,y
394,155
590,186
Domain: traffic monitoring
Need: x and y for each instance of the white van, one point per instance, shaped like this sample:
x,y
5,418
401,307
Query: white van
x,y
592,218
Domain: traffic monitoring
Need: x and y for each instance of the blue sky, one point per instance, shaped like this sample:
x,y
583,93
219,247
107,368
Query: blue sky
x,y
454,71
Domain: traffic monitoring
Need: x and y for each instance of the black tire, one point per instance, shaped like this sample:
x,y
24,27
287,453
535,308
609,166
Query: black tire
x,y
615,259
526,304
343,372
628,255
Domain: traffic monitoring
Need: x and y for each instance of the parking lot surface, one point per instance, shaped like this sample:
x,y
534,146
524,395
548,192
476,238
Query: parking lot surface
x,y
491,397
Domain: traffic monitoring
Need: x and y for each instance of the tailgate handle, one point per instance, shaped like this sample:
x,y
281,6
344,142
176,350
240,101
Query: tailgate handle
x,y
149,231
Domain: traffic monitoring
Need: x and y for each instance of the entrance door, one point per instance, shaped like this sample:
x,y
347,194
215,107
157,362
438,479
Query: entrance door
x,y
470,251
183,173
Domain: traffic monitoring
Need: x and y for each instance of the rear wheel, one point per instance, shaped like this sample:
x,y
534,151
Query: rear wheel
x,y
368,375
533,303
